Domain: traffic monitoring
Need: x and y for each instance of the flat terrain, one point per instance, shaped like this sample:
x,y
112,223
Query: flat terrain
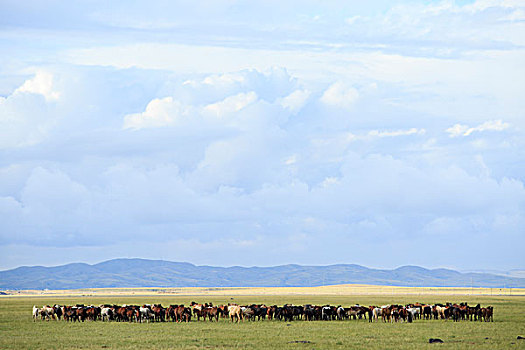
x,y
19,331
340,289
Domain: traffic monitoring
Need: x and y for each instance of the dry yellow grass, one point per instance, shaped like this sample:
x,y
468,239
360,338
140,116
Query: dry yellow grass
x,y
342,289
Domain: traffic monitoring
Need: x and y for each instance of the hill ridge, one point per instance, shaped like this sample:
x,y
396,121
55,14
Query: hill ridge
x,y
137,272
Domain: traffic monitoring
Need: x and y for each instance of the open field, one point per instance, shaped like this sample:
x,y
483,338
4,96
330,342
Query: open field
x,y
342,289
19,331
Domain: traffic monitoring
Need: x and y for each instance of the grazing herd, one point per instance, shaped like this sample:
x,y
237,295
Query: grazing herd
x,y
258,312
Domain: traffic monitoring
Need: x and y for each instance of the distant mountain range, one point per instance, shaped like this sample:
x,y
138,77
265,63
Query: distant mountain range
x,y
519,273
158,273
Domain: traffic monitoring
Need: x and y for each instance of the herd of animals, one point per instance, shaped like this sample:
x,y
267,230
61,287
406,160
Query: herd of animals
x,y
288,313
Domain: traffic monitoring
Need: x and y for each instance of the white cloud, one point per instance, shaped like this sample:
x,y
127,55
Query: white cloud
x,y
495,125
340,95
394,133
329,181
224,79
481,5
342,142
159,112
231,104
295,101
291,160
464,130
25,115
457,130
41,83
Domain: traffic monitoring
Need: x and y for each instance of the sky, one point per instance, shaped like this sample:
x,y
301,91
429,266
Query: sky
x,y
236,132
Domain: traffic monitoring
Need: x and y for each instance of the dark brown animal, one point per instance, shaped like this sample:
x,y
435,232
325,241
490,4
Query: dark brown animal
x,y
213,313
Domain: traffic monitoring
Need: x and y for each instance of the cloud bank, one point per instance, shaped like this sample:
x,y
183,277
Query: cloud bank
x,y
391,129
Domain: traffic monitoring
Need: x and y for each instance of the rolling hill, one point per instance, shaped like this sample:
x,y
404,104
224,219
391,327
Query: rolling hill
x,y
159,273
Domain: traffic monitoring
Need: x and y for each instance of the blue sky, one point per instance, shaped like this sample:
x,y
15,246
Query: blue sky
x,y
382,133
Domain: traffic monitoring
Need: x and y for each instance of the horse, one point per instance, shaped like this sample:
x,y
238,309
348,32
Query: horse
x,y
260,311
120,314
70,314
414,311
395,314
132,314
106,313
36,311
427,312
287,313
200,313
58,311
376,312
309,314
183,314
455,312
439,311
488,313
179,313
403,313
147,314
47,312
235,313
386,313
93,313
213,313
159,312
248,313
341,313
271,312
326,313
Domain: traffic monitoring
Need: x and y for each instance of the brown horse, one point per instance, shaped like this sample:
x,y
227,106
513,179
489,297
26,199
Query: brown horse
x,y
386,313
213,313
488,313
159,312
183,314
271,312
132,314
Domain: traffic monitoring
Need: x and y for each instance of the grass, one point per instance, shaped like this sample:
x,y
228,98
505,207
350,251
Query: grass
x,y
20,332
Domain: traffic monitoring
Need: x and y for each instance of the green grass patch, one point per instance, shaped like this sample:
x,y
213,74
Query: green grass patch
x,y
20,332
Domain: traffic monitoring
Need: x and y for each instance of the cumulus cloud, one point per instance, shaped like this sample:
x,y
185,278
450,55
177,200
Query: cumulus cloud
x,y
340,95
263,168
269,84
295,101
25,115
224,80
465,130
231,104
41,83
326,126
159,112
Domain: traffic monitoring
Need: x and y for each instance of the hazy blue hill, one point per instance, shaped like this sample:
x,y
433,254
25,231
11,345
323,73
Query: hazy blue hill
x,y
159,273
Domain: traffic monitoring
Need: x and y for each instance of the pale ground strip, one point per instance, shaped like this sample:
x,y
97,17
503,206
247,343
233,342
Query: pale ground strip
x,y
343,289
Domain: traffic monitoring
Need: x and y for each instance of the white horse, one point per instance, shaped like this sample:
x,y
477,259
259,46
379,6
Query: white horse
x,y
441,311
378,311
106,313
415,311
146,314
235,313
36,311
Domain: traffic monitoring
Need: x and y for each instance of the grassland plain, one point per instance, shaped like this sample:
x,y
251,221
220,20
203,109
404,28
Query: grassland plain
x,y
18,331
339,289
